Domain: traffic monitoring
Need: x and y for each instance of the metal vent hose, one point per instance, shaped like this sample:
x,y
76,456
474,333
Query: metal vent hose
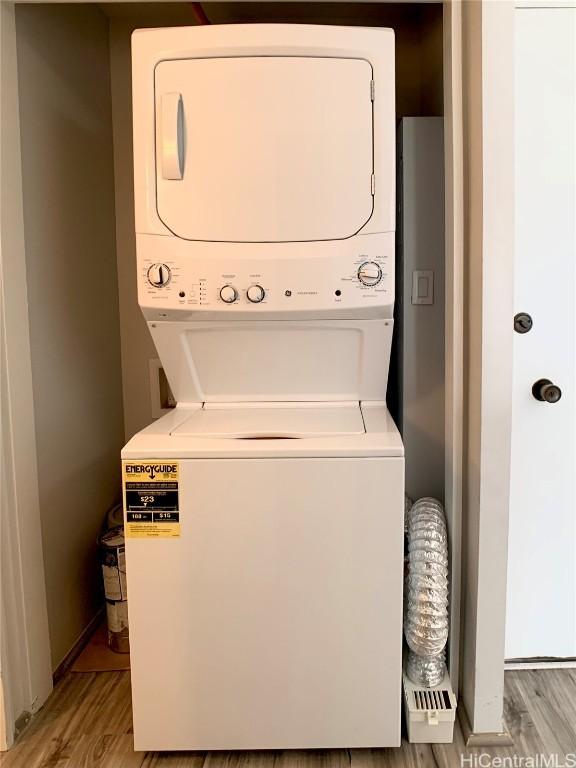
x,y
426,593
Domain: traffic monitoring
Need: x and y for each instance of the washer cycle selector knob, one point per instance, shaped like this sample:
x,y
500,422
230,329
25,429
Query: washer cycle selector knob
x,y
369,273
255,294
159,275
229,294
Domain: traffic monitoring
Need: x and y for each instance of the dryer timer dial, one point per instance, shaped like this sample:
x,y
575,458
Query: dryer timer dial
x,y
159,275
369,273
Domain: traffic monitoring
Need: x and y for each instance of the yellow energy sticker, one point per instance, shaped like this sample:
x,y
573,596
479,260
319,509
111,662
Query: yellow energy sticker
x,y
151,499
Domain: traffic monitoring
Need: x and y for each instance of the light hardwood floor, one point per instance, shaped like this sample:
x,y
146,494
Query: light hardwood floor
x,y
87,723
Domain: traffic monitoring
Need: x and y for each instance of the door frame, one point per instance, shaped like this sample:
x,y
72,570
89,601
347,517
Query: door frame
x,y
488,129
478,92
25,667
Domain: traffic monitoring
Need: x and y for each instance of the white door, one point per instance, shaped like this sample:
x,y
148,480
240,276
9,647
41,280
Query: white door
x,y
264,148
542,546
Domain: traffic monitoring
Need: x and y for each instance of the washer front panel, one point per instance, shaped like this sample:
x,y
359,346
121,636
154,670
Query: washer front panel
x,y
274,619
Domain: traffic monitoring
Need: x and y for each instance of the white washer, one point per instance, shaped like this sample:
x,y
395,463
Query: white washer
x,y
274,620
264,515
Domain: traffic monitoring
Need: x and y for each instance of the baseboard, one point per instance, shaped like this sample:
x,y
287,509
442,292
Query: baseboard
x,y
78,646
539,663
21,724
490,739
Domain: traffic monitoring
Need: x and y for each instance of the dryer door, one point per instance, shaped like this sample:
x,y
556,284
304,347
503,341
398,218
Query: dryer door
x,y
264,148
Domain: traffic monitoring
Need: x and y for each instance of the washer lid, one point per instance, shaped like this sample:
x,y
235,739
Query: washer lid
x,y
260,422
264,148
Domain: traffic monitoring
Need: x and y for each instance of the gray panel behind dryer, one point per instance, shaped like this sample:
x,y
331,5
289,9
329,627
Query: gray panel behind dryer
x,y
422,264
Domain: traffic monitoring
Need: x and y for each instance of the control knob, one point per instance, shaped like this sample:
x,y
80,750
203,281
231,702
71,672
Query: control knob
x,y
369,273
159,275
255,294
228,294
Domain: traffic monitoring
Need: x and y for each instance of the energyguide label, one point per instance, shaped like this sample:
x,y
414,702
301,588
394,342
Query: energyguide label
x,y
151,499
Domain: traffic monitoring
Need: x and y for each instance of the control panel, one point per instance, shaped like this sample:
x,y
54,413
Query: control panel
x,y
313,277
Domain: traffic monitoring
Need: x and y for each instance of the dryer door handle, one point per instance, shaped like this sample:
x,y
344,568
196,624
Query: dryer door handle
x,y
172,138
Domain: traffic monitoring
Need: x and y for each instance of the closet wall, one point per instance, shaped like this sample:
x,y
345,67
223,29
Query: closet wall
x,y
137,347
68,189
91,349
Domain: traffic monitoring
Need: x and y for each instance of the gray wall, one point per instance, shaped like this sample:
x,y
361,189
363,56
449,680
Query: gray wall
x,y
68,187
421,245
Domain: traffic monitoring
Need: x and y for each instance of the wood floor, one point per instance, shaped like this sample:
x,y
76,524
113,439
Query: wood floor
x,y
87,723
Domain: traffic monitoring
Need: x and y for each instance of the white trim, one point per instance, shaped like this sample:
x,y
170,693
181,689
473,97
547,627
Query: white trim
x,y
512,666
454,314
545,4
24,639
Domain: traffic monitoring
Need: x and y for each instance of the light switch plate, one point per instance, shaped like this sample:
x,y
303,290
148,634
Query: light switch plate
x,y
423,286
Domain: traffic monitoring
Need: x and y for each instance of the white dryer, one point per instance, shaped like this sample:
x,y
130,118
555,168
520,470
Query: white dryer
x,y
264,515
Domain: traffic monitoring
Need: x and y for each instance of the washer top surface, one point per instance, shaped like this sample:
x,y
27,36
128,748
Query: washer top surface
x,y
270,430
264,423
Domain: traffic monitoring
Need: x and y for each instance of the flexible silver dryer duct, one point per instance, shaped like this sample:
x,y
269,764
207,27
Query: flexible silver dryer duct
x,y
426,596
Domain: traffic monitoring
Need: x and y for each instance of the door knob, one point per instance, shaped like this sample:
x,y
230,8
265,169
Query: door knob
x,y
546,392
522,322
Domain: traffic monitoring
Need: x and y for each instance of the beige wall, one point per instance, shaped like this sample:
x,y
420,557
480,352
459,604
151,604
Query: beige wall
x,y
67,169
136,342
419,92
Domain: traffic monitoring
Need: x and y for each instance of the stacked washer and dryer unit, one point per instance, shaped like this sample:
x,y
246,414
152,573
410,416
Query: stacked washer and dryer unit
x,y
264,514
